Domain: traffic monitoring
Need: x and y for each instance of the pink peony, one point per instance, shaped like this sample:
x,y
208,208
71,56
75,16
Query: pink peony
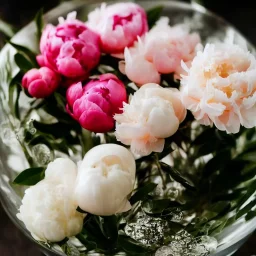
x,y
160,52
220,87
118,25
71,49
40,83
95,104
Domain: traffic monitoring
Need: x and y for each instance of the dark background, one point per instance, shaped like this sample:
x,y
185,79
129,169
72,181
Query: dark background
x,y
241,14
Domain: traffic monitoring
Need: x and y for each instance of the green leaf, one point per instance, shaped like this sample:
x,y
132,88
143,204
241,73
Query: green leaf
x,y
39,23
22,62
89,244
58,130
176,175
250,156
30,177
216,209
132,247
13,99
6,29
246,209
204,136
251,190
153,15
155,206
217,162
250,215
109,227
61,100
25,51
142,193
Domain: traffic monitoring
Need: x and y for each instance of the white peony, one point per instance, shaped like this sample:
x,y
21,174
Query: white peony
x,y
48,208
220,87
153,114
105,180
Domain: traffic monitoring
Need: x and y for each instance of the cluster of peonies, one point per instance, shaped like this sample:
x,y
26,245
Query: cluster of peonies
x,y
100,185
218,85
70,50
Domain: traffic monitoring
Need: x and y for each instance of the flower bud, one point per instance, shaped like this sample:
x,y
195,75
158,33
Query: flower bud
x,y
40,83
95,104
105,180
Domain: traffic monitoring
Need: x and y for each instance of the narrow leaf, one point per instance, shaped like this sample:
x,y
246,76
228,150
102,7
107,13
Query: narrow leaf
x,y
250,215
22,62
6,29
24,50
142,192
177,176
30,177
39,23
217,162
109,227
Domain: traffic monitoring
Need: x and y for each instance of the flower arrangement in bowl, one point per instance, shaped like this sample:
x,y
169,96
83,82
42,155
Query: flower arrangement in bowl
x,y
131,127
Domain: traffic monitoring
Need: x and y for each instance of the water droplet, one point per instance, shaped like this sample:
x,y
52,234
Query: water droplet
x,y
148,230
42,154
184,244
164,251
32,130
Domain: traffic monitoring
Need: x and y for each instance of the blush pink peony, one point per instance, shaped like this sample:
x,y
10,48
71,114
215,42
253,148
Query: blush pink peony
x,y
40,83
160,52
71,49
220,87
153,114
118,25
95,104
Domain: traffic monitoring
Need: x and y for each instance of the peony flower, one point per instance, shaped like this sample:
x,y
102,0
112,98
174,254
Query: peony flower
x,y
220,87
105,180
40,83
71,49
48,208
118,25
159,52
153,114
95,104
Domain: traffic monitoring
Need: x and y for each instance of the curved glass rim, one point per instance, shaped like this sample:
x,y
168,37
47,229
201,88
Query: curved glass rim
x,y
66,7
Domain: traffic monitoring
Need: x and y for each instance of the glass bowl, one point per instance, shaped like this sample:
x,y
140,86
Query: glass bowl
x,y
12,158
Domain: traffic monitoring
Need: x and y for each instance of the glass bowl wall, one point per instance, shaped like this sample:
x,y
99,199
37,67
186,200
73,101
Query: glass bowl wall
x,y
12,158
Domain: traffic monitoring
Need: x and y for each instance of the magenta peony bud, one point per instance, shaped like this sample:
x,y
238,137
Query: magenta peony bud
x,y
118,25
71,49
95,104
40,83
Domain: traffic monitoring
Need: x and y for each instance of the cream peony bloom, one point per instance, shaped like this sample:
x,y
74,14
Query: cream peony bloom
x,y
105,180
48,208
160,52
153,114
220,87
